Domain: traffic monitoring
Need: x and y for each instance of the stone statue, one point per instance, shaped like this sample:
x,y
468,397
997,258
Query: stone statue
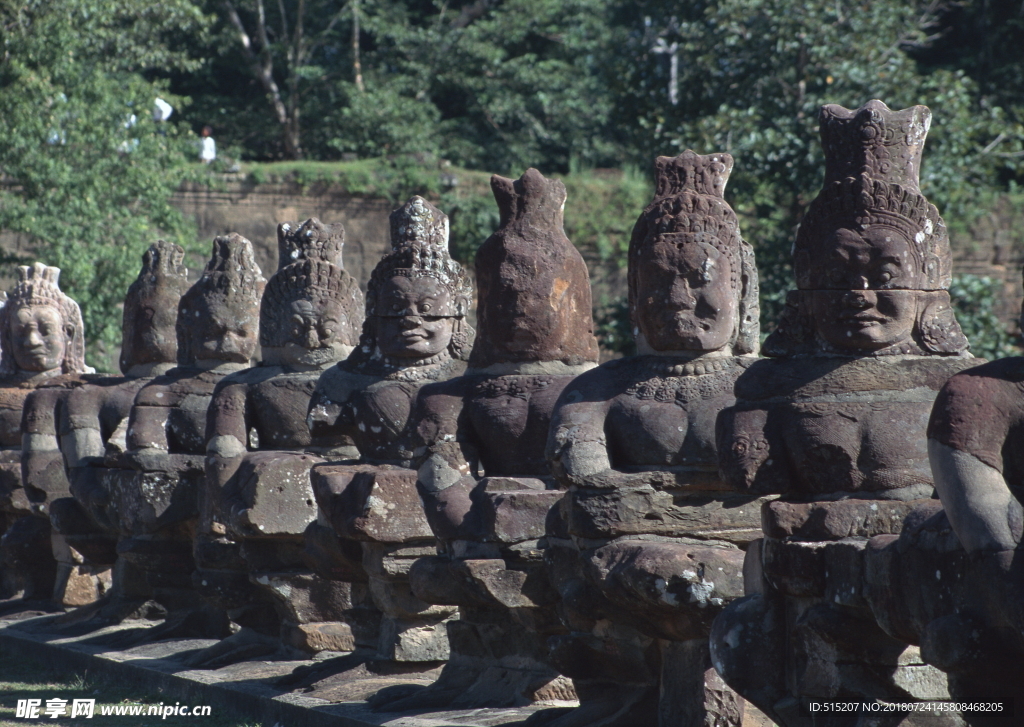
x,y
835,422
154,485
483,477
952,582
649,545
260,451
95,416
415,333
41,345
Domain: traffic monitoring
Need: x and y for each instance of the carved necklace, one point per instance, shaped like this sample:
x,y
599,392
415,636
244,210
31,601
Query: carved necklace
x,y
666,382
517,386
434,368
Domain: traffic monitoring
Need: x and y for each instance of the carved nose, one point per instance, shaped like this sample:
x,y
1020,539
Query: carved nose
x,y
857,299
410,322
312,339
683,297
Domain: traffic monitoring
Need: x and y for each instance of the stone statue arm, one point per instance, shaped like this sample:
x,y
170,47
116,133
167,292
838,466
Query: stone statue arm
x,y
983,512
970,423
752,450
81,441
328,411
446,458
227,432
577,448
146,442
42,464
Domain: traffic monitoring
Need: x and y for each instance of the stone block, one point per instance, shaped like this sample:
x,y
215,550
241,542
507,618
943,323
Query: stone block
x,y
371,503
275,495
647,510
404,640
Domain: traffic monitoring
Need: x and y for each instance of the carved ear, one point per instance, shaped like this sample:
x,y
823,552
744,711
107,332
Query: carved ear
x,y
748,328
463,336
932,267
937,325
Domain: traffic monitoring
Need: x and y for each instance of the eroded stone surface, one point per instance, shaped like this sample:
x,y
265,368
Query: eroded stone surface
x,y
94,417
647,548
42,357
257,500
951,581
414,333
155,484
479,441
835,422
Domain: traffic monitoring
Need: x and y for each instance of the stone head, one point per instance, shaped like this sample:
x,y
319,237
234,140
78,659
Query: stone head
x,y
692,281
41,329
534,289
872,256
418,297
218,316
312,308
151,308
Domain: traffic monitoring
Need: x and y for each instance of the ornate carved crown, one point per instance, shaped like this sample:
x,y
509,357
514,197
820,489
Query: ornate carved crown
x,y
312,240
872,167
419,247
689,207
310,268
38,286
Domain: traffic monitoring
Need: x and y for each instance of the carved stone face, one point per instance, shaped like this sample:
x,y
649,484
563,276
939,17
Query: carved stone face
x,y
686,299
312,332
859,304
879,257
38,337
864,320
411,318
220,334
154,338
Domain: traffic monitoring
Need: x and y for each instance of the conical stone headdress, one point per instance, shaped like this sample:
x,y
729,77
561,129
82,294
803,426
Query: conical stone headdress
x,y
689,208
310,269
231,282
151,307
38,286
872,168
534,288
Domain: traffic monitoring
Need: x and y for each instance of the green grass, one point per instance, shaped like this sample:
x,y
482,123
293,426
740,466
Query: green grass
x,y
22,678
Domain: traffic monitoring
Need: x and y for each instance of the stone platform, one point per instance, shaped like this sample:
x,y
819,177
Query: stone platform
x,y
247,688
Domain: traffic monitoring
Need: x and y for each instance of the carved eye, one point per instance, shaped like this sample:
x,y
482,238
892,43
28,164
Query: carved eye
x,y
885,277
396,307
836,276
426,307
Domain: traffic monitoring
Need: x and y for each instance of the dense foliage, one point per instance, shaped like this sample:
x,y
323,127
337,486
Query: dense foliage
x,y
86,171
491,85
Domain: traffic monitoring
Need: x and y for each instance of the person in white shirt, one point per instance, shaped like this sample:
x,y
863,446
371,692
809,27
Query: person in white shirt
x,y
208,148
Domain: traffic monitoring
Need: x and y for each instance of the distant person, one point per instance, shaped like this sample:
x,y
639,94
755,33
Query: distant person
x,y
162,110
208,147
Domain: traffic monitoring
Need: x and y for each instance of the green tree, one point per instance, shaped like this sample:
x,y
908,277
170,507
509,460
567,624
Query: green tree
x,y
751,76
87,173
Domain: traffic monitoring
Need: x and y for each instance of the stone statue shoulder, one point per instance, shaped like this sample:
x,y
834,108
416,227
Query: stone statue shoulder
x,y
817,376
169,389
979,410
337,383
